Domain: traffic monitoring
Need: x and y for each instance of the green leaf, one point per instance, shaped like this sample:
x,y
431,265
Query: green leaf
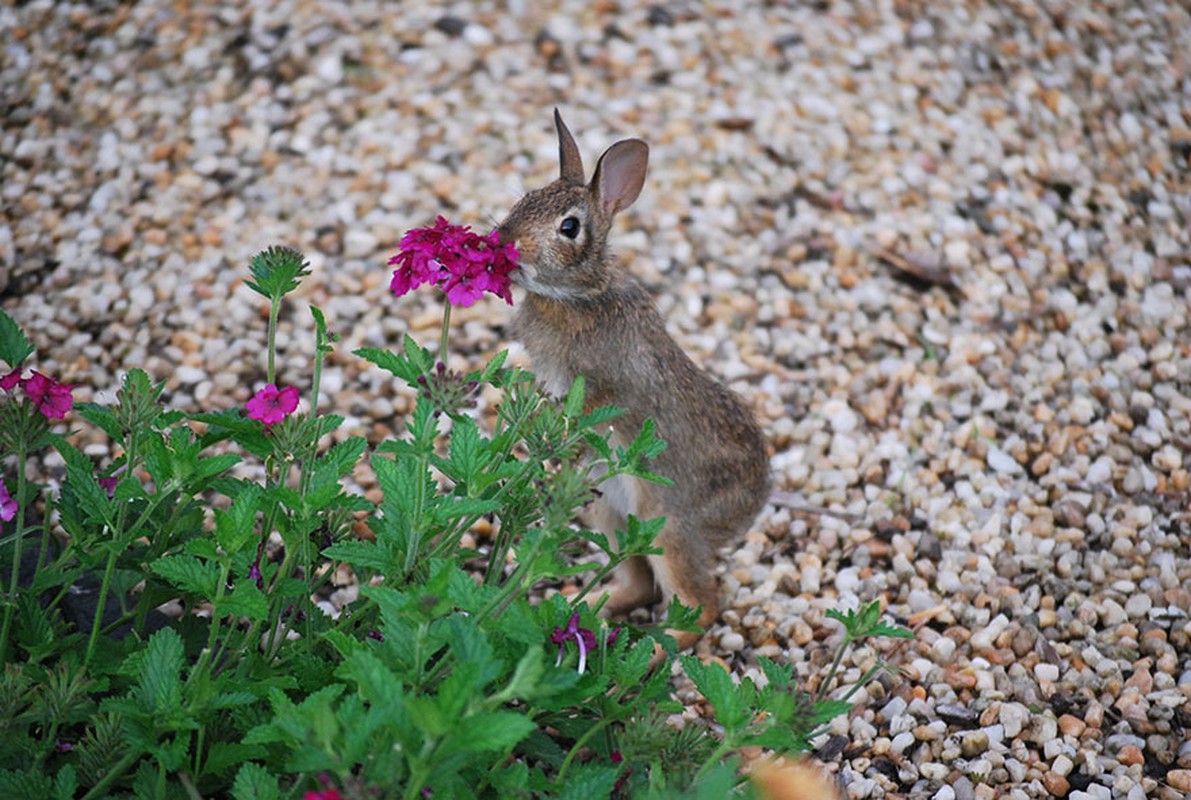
x,y
66,783
236,527
493,730
714,683
209,467
466,451
598,416
103,418
245,600
188,574
573,406
323,340
277,271
493,367
253,782
361,554
586,781
827,710
248,433
224,755
159,689
31,784
340,460
415,362
80,474
15,347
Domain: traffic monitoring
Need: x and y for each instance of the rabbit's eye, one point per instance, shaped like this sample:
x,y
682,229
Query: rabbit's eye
x,y
569,227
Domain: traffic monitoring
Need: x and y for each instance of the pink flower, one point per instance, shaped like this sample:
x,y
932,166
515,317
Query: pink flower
x,y
584,638
10,381
323,794
109,485
8,506
51,397
271,404
462,262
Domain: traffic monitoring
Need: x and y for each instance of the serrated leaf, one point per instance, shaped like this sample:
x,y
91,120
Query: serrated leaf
x,y
245,600
465,451
209,467
493,367
15,346
277,271
714,683
248,433
103,418
361,554
586,781
827,710
66,783
236,527
80,473
494,730
340,460
573,405
188,574
203,548
254,782
780,676
598,416
159,689
224,755
233,700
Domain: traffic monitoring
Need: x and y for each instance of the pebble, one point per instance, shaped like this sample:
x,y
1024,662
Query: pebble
x,y
944,259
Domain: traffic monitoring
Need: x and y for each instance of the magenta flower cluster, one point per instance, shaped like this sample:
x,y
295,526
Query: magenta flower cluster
x,y
271,405
459,260
52,398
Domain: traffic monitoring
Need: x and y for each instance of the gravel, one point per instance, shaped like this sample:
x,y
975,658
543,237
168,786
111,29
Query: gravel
x,y
942,248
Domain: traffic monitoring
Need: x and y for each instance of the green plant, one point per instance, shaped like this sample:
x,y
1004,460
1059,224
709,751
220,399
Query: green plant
x,y
453,673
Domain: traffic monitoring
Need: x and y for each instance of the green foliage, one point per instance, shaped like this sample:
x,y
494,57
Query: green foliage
x,y
277,272
452,673
15,346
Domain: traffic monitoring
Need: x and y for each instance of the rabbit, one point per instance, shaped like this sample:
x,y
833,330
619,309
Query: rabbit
x,y
585,315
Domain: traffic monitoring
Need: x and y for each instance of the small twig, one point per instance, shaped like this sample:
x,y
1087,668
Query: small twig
x,y
793,502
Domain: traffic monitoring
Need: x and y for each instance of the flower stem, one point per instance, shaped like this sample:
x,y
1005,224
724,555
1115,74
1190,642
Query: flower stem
x,y
18,537
100,602
825,686
579,745
274,309
446,329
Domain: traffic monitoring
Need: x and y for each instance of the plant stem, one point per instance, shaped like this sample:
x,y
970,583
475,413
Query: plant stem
x,y
100,602
274,309
821,691
45,536
446,329
100,789
19,535
579,745
719,752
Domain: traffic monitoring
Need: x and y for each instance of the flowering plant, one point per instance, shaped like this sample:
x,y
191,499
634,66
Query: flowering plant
x,y
445,665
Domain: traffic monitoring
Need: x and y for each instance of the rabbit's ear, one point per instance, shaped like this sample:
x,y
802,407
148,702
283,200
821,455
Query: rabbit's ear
x,y
570,162
620,174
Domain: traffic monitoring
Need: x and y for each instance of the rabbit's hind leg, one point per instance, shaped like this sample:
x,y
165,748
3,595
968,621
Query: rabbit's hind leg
x,y
632,586
684,570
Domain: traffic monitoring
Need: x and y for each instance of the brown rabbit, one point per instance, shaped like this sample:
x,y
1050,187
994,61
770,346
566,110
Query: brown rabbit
x,y
584,315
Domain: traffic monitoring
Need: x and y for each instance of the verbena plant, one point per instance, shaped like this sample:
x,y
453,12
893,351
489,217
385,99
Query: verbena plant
x,y
452,675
